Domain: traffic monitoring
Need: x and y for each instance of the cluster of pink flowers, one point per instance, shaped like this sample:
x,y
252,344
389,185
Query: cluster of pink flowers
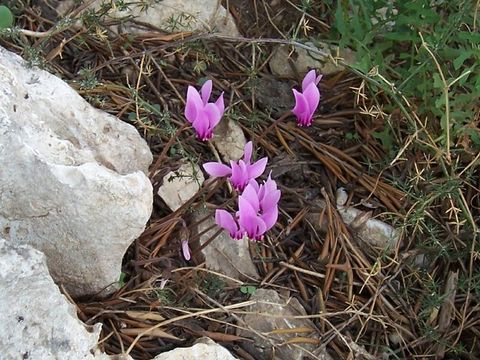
x,y
257,211
257,203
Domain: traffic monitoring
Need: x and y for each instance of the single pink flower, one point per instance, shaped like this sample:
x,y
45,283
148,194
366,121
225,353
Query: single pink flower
x,y
203,116
257,211
241,171
306,102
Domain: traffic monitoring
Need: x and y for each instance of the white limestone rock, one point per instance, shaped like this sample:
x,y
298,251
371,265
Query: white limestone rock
x,y
181,185
204,348
36,320
72,181
167,15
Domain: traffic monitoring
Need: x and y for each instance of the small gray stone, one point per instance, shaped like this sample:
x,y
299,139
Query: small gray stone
x,y
224,254
275,95
229,139
378,235
291,64
203,349
272,312
181,185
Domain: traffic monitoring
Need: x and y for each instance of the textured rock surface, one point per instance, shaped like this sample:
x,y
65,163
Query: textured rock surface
x,y
272,312
378,234
275,95
284,61
36,320
72,180
181,185
203,349
169,15
229,139
223,254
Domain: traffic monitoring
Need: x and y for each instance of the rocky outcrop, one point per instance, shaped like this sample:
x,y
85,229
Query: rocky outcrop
x,y
36,320
165,15
72,181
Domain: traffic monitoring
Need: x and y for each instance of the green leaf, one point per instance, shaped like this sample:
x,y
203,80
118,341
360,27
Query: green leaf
x,y
132,116
249,290
121,279
6,17
385,137
474,136
437,81
469,36
202,80
401,36
458,62
156,109
340,19
364,65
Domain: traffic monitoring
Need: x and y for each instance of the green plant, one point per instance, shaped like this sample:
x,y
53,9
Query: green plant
x,y
6,17
248,290
121,279
411,43
212,285
89,79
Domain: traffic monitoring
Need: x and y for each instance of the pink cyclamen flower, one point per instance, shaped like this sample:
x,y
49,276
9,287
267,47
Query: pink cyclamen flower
x,y
241,171
203,116
257,211
306,102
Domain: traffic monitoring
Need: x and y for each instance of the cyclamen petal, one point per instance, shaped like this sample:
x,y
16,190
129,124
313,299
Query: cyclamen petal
x,y
247,152
186,250
270,200
203,116
193,104
306,102
311,77
220,104
251,196
226,221
248,220
301,109
239,176
257,168
312,96
241,171
201,128
270,218
212,115
216,169
255,185
206,91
